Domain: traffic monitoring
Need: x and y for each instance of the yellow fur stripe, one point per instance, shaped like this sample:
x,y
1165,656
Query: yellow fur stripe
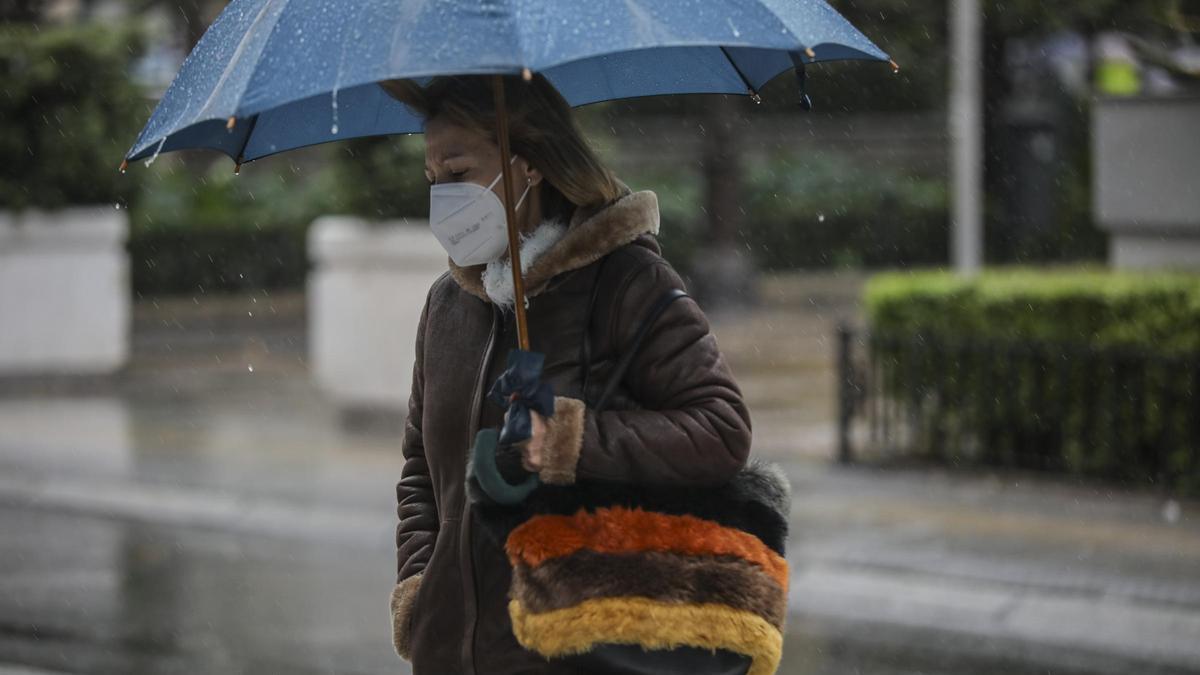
x,y
651,624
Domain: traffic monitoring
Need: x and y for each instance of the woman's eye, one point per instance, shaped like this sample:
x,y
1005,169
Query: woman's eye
x,y
453,176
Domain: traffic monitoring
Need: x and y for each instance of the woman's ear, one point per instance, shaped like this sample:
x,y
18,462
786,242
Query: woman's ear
x,y
532,174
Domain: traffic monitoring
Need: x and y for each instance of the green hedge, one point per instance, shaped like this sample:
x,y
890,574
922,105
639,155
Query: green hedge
x,y
1086,371
215,232
825,210
221,260
1159,312
810,211
196,228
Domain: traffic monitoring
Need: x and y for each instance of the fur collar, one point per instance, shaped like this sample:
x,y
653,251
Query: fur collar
x,y
591,234
497,275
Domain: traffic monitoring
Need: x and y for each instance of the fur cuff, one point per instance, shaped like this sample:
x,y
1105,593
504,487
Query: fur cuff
x,y
404,600
564,439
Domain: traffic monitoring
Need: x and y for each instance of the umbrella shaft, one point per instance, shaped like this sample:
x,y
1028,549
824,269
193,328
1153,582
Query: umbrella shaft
x,y
514,242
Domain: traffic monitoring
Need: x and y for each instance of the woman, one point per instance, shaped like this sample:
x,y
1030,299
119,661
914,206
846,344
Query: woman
x,y
678,418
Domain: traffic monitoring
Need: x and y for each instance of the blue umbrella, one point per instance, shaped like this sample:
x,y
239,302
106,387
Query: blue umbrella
x,y
274,75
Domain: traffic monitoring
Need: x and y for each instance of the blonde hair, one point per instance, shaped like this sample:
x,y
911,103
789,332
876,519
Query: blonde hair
x,y
541,129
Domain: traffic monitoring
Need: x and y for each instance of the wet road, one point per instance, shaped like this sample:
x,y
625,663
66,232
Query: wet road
x,y
194,517
121,594
105,596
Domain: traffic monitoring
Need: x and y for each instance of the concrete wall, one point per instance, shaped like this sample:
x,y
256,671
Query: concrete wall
x,y
64,291
1146,180
365,294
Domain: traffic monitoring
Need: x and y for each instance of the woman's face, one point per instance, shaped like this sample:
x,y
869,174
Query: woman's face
x,y
455,154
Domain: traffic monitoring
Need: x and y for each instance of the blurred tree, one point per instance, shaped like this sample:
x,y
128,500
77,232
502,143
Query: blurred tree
x,y
381,178
20,11
67,113
722,277
190,17
1041,210
914,34
1037,210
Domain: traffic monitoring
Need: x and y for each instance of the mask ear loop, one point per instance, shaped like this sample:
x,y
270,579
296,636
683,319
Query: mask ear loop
x,y
499,175
528,185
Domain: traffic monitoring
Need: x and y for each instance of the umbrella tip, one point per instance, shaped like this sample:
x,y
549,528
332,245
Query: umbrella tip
x,y
237,167
124,165
526,74
755,97
229,123
895,66
808,51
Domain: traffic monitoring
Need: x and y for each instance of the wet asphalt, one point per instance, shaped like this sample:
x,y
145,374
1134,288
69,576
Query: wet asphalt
x,y
194,516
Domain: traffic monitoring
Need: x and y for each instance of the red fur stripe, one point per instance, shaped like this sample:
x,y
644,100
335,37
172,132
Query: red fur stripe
x,y
622,530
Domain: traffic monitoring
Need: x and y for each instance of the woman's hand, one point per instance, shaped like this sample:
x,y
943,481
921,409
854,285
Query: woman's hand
x,y
531,449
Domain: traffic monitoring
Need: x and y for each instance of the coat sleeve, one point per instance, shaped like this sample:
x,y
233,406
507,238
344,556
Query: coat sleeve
x,y
416,508
693,427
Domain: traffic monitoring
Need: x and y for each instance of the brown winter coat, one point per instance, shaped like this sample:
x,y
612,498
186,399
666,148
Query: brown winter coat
x,y
678,418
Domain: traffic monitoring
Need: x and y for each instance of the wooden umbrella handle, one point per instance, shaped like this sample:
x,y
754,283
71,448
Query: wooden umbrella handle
x,y
514,242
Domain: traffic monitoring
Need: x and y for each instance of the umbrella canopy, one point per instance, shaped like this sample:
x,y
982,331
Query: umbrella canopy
x,y
274,75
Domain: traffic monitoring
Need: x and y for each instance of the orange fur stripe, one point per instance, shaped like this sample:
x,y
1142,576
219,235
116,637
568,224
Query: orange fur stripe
x,y
622,530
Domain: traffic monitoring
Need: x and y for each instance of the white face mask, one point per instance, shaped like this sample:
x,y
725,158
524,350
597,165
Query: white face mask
x,y
468,220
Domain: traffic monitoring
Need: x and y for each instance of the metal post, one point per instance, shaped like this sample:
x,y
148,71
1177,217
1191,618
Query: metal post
x,y
845,393
966,135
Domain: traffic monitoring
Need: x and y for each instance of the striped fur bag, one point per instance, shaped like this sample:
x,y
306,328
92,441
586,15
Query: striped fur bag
x,y
693,579
617,577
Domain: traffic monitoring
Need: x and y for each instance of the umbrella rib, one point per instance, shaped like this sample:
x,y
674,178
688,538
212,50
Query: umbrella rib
x,y
750,87
241,153
517,35
233,60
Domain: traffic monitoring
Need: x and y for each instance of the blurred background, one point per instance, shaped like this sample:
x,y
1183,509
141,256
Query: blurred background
x,y
979,363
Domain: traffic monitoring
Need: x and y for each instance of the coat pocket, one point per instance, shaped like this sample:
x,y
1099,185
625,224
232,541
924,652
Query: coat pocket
x,y
437,608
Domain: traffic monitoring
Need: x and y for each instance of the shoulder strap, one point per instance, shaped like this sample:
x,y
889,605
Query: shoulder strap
x,y
585,348
618,373
585,352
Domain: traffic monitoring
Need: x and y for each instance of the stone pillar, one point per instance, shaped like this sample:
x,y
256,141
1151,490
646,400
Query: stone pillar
x,y
64,291
1146,179
365,293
